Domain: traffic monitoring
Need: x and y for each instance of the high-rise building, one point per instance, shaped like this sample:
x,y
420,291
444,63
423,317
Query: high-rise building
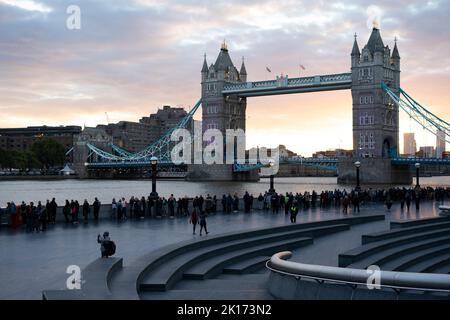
x,y
409,144
440,143
427,152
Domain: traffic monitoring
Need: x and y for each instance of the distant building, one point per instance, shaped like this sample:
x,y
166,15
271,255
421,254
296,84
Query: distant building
x,y
440,143
135,136
132,136
336,153
21,139
163,120
409,144
286,153
426,152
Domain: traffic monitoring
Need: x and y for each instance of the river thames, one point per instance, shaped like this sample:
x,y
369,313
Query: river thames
x,y
105,190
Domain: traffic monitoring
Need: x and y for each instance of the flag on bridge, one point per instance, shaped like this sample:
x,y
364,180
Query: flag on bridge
x,y
267,68
302,67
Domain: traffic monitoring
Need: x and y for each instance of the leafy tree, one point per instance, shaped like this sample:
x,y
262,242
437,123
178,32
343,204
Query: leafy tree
x,y
47,152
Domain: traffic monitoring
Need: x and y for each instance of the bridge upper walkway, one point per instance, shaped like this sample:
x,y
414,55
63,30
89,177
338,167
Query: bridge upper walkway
x,y
284,85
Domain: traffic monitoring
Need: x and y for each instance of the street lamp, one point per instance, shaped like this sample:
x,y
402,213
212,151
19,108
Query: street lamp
x,y
417,165
272,189
357,166
154,163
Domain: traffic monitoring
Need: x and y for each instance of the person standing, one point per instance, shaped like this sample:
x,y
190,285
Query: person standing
x,y
107,247
35,217
53,208
260,201
388,201
417,191
77,210
113,208
345,203
171,205
179,207
23,212
194,220
294,211
408,199
96,206
208,204
355,201
119,210
86,210
42,212
143,207
203,222
48,211
66,211
224,203
246,202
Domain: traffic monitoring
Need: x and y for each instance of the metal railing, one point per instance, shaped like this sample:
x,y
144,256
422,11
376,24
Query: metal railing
x,y
397,281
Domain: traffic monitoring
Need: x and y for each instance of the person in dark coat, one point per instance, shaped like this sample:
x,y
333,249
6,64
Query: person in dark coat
x,y
86,210
171,205
194,220
53,208
66,211
203,223
96,206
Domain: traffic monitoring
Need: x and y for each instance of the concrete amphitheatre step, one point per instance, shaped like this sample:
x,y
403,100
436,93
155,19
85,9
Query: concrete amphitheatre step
x,y
247,265
414,260
116,282
211,267
359,253
431,264
238,294
398,252
166,275
418,222
441,267
258,283
95,283
384,235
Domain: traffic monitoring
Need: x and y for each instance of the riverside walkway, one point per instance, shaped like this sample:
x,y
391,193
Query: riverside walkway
x,y
31,263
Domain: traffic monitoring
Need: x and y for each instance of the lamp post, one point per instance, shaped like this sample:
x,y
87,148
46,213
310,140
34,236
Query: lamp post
x,y
154,163
417,165
357,166
272,176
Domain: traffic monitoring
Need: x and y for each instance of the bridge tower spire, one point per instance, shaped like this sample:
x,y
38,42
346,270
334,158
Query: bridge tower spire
x,y
375,117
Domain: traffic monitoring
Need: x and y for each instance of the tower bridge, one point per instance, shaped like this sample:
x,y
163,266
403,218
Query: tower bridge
x,y
374,82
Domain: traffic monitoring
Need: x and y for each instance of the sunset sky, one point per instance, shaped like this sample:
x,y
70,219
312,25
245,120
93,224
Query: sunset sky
x,y
131,57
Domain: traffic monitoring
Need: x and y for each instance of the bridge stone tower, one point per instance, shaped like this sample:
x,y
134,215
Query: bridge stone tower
x,y
221,112
375,116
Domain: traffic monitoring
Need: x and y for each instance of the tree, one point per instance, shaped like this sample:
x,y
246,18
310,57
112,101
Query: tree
x,y
48,152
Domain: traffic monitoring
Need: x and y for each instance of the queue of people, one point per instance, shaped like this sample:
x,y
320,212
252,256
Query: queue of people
x,y
36,217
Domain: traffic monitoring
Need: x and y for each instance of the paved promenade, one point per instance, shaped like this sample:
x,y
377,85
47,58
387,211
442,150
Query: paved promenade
x,y
32,262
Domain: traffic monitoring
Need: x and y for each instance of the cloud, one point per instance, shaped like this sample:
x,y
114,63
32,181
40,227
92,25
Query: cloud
x,y
28,5
131,57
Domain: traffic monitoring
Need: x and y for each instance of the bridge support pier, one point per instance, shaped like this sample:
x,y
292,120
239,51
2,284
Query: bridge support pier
x,y
373,171
219,172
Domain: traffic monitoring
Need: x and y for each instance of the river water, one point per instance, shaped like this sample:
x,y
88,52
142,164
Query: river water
x,y
105,190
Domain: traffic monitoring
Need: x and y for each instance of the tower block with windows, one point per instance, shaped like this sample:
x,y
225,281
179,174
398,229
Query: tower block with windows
x,y
221,112
375,116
